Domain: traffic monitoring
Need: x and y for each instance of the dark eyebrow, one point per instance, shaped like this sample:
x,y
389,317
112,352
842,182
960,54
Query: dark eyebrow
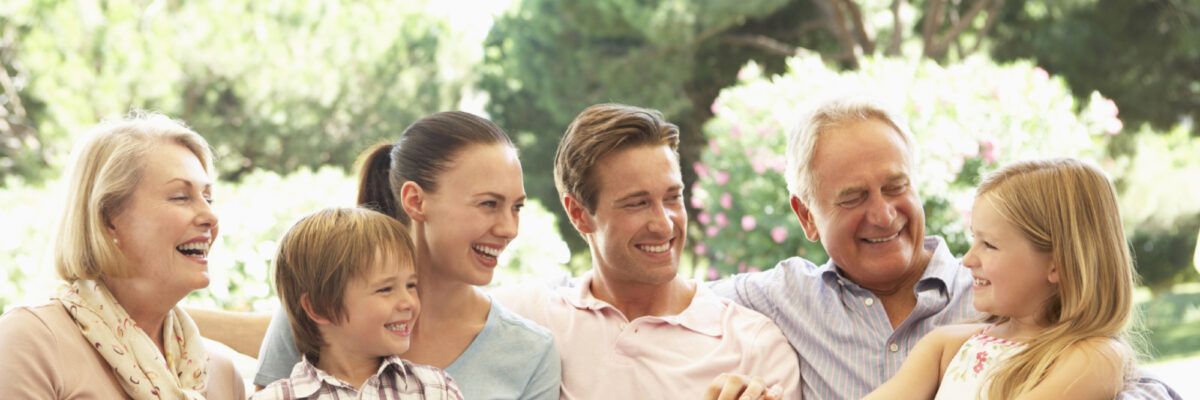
x,y
641,193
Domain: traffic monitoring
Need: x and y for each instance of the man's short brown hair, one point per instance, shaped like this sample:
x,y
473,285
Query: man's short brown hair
x,y
597,131
322,253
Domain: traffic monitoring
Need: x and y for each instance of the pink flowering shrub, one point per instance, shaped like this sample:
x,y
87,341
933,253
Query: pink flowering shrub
x,y
968,119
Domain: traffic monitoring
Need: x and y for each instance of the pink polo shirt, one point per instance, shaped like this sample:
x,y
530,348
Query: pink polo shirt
x,y
604,355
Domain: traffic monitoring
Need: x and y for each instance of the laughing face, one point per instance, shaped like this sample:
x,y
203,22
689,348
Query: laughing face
x,y
1012,278
474,213
166,226
380,309
637,229
866,211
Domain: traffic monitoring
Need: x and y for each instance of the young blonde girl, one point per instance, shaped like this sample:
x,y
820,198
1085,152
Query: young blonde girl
x,y
1054,276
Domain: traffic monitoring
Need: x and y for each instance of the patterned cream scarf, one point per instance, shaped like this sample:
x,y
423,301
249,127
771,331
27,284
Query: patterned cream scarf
x,y
133,356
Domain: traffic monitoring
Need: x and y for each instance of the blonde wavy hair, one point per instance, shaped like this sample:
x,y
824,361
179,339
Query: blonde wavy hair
x,y
1068,208
107,165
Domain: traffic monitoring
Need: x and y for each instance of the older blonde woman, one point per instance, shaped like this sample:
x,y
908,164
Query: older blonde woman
x,y
132,242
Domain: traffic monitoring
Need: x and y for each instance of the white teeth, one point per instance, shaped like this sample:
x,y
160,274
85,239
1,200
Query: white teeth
x,y
201,247
396,327
881,240
487,250
982,282
656,249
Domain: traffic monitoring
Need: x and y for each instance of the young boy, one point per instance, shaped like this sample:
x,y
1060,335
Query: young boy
x,y
348,280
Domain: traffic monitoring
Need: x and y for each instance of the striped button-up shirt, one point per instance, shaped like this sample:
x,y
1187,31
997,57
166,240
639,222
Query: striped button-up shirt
x,y
397,379
846,343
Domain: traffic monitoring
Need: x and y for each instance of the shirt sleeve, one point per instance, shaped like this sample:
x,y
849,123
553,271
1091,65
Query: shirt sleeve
x,y
547,377
278,354
30,355
774,359
1147,387
757,290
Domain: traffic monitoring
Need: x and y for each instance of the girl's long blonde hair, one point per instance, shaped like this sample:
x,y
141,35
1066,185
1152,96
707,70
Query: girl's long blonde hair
x,y
1069,209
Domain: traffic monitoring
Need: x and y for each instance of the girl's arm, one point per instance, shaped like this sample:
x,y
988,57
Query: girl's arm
x,y
922,371
1091,369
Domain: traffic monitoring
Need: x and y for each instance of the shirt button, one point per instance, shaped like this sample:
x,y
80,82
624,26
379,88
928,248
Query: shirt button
x,y
841,282
894,347
870,302
623,325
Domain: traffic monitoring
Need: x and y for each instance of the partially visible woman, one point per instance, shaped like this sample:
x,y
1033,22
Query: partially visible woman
x,y
132,242
455,181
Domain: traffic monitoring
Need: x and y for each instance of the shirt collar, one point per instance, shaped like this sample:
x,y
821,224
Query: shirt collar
x,y
311,378
939,271
703,315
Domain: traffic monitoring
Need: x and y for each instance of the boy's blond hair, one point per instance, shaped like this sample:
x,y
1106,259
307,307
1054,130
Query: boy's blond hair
x,y
322,253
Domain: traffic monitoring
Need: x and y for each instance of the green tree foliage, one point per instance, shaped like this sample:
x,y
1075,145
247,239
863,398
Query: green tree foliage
x,y
1145,54
546,60
273,85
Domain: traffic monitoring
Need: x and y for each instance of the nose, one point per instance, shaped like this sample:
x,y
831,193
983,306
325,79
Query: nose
x,y
507,225
205,216
661,221
880,211
409,301
971,260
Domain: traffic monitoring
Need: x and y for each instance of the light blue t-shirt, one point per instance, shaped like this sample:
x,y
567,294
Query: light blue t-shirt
x,y
511,358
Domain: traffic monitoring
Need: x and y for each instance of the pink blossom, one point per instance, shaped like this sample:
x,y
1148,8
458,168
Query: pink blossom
x,y
779,164
736,131
716,107
1041,74
748,223
753,269
990,151
696,202
700,249
779,234
701,169
758,165
1114,126
1108,108
721,177
712,231
741,267
721,220
766,131
713,274
726,200
704,218
712,146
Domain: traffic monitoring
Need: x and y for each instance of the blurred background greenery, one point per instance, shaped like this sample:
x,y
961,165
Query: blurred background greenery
x,y
289,92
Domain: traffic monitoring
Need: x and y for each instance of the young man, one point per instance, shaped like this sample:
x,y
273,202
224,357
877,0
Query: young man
x,y
631,327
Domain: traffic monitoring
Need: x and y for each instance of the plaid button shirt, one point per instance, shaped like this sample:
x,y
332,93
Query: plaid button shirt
x,y
397,379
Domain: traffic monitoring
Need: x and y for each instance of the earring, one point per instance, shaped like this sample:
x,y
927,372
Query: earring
x,y
116,242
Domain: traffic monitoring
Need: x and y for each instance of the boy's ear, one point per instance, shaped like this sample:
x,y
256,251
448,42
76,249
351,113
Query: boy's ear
x,y
412,199
308,309
804,214
578,214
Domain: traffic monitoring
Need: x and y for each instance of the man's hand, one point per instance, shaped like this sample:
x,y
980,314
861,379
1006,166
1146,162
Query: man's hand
x,y
738,387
